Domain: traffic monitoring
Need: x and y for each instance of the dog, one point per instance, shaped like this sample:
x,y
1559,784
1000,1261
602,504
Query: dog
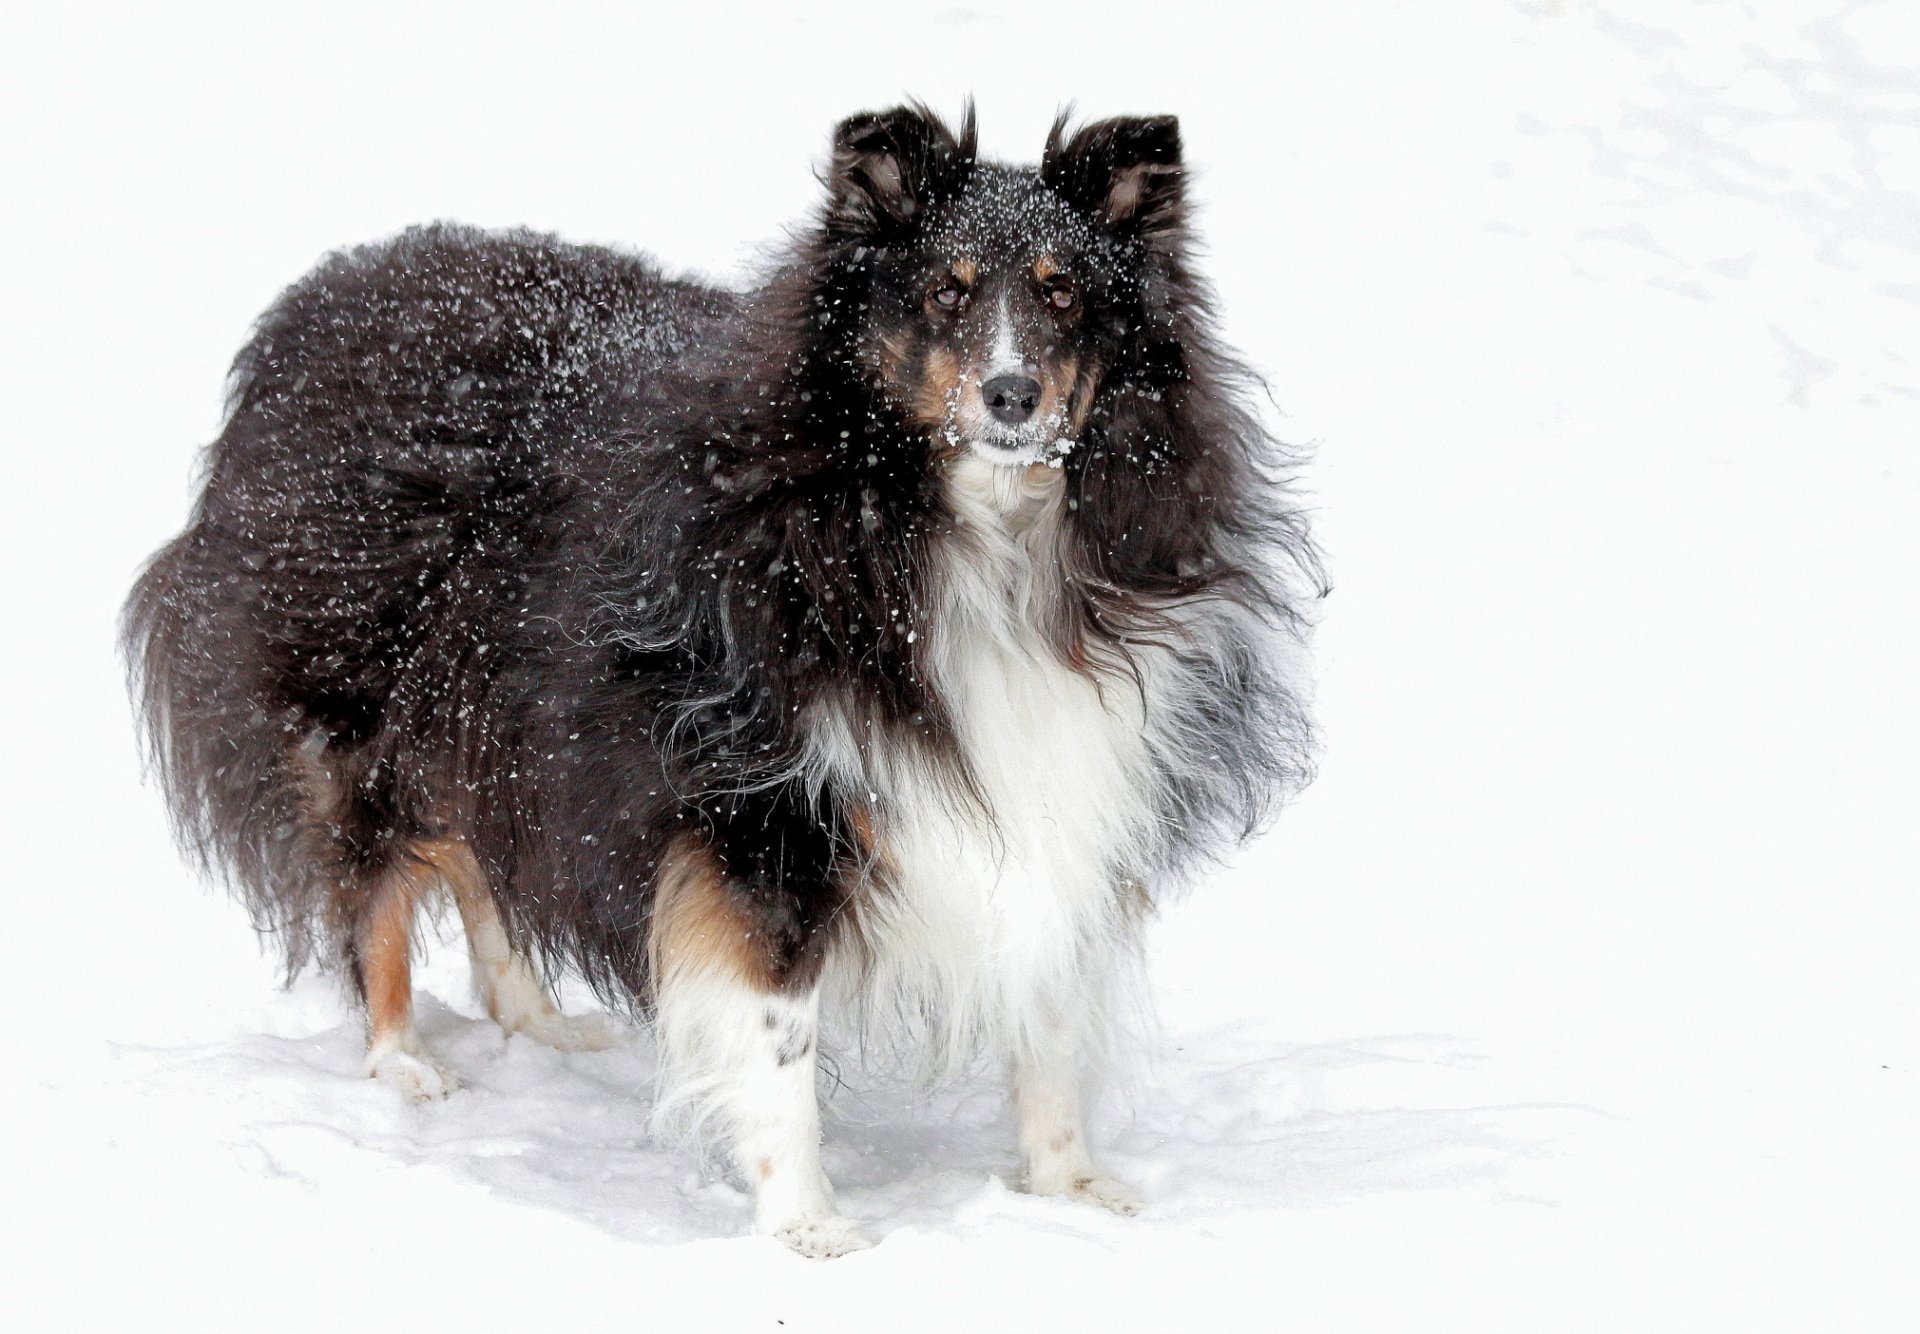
x,y
889,637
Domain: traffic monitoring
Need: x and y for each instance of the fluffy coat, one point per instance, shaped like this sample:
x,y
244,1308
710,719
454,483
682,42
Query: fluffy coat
x,y
733,642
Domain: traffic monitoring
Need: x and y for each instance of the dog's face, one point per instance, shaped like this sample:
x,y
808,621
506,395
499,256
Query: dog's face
x,y
992,301
979,327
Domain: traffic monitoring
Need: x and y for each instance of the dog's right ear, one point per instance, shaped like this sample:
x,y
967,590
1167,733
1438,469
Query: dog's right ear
x,y
890,167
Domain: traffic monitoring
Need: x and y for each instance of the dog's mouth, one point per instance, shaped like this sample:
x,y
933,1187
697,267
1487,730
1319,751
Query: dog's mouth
x,y
1022,449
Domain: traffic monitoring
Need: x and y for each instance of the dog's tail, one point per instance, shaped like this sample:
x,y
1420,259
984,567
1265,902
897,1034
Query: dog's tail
x,y
240,807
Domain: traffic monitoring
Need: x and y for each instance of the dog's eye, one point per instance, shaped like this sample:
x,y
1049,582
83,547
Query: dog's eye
x,y
1060,294
950,296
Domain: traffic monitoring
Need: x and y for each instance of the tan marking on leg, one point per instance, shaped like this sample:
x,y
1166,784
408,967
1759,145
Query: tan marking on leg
x,y
494,960
722,1026
697,928
459,870
861,818
384,946
506,981
876,863
870,873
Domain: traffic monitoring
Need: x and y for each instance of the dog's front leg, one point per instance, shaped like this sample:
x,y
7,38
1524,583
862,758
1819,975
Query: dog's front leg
x,y
735,948
776,1128
1053,1137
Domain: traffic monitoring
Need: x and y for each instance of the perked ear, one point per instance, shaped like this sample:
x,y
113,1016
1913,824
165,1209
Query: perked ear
x,y
890,167
1123,173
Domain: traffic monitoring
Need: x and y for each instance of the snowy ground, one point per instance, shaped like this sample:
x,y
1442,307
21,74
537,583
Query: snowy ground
x,y
1578,994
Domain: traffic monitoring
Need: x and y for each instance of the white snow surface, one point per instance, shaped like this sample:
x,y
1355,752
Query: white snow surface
x,y
1579,993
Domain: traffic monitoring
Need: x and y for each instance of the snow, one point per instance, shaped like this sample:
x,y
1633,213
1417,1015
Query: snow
x,y
1578,993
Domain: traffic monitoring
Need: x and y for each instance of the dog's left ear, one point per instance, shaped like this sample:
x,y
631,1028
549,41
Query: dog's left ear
x,y
1124,173
890,167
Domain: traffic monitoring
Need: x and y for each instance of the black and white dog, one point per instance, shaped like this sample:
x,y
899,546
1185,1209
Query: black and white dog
x,y
896,632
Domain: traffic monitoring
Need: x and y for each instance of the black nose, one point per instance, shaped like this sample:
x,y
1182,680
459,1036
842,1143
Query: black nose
x,y
1011,398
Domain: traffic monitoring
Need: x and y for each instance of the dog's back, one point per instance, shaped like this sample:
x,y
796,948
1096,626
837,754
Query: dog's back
x,y
401,449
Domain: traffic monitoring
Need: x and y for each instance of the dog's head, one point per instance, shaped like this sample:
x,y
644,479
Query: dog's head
x,y
989,303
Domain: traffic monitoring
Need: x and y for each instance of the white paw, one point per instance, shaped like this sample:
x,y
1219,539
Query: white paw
x,y
1089,1188
823,1238
412,1073
571,1032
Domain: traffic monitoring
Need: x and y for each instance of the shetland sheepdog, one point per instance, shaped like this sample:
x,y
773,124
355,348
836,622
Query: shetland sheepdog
x,y
882,641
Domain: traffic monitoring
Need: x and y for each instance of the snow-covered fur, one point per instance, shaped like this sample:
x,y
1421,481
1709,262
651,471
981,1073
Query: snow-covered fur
x,y
897,632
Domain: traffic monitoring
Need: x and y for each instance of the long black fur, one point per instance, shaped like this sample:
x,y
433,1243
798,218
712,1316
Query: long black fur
x,y
528,543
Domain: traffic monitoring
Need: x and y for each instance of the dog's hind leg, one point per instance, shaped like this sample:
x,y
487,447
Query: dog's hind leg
x,y
738,1052
371,899
381,955
503,979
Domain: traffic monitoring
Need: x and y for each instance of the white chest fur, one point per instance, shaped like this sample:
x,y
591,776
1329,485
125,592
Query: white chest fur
x,y
1006,905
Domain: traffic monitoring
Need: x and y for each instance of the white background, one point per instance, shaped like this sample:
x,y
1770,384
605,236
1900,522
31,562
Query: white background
x,y
1579,993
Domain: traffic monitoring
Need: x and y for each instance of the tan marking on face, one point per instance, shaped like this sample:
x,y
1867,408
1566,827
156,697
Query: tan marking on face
x,y
1044,268
697,928
1057,380
941,383
1089,381
966,271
